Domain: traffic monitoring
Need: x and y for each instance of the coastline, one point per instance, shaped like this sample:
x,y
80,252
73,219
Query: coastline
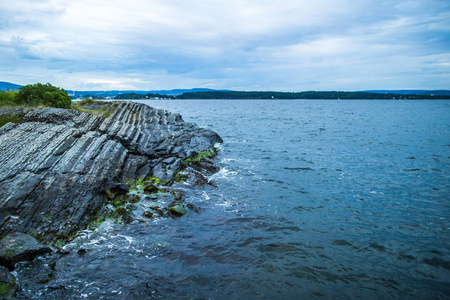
x,y
63,170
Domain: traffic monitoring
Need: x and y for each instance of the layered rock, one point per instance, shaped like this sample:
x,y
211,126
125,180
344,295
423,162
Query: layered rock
x,y
56,166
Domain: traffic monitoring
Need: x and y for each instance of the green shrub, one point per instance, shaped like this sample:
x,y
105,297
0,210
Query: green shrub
x,y
45,94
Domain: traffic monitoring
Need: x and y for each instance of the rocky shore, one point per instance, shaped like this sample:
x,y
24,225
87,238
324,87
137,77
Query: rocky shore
x,y
64,170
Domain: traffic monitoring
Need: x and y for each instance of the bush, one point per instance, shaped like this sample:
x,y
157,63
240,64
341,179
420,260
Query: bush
x,y
86,101
8,98
45,94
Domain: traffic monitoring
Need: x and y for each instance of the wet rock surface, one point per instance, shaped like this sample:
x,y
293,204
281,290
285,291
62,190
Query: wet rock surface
x,y
58,166
17,247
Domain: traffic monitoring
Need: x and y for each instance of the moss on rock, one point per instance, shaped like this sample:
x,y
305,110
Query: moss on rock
x,y
203,155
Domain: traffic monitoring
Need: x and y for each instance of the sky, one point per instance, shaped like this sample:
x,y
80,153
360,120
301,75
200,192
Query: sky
x,y
250,45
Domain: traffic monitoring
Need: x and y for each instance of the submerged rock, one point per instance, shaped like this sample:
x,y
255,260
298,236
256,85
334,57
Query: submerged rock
x,y
57,166
147,214
150,188
177,210
17,247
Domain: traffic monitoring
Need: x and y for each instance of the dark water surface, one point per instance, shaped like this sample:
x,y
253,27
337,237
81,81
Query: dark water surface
x,y
315,199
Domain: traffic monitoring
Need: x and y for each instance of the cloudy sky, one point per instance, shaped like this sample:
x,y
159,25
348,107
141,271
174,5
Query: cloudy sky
x,y
286,45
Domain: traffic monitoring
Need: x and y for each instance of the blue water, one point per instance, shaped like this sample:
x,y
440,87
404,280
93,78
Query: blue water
x,y
315,199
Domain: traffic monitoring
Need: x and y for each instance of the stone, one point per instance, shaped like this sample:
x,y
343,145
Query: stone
x,y
176,166
134,199
205,166
191,153
160,212
147,214
110,195
124,214
150,189
119,188
8,285
193,207
131,206
196,179
17,247
163,173
179,152
177,210
169,160
41,271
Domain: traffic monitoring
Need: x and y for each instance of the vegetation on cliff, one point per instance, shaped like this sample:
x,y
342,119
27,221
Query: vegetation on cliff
x,y
8,98
36,95
96,107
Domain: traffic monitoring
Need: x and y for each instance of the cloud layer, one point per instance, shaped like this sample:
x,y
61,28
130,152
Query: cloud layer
x,y
286,45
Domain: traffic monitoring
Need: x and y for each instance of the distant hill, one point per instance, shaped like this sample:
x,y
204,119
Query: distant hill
x,y
305,95
412,92
4,86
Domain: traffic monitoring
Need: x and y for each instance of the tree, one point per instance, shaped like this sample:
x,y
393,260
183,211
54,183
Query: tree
x,y
45,94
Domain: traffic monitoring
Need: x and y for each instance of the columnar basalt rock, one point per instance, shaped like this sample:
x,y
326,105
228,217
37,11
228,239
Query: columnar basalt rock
x,y
56,166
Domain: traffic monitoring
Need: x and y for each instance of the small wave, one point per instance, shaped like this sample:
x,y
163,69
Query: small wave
x,y
226,203
299,169
341,243
204,194
437,263
224,173
281,228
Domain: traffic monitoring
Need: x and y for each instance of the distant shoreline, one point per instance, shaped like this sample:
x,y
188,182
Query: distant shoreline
x,y
203,93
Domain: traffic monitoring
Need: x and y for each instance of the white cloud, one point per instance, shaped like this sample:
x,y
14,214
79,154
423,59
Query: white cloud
x,y
245,44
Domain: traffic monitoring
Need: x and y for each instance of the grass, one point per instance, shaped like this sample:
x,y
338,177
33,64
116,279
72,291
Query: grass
x,y
104,112
136,117
108,113
10,118
90,101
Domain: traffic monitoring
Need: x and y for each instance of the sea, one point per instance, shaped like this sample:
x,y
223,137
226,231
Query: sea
x,y
315,199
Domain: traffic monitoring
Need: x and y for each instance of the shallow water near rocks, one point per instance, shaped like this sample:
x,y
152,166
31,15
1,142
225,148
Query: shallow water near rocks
x,y
314,199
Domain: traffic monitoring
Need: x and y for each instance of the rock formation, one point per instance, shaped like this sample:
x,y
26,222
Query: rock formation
x,y
57,165
17,247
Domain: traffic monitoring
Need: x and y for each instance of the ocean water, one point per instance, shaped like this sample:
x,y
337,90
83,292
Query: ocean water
x,y
314,199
